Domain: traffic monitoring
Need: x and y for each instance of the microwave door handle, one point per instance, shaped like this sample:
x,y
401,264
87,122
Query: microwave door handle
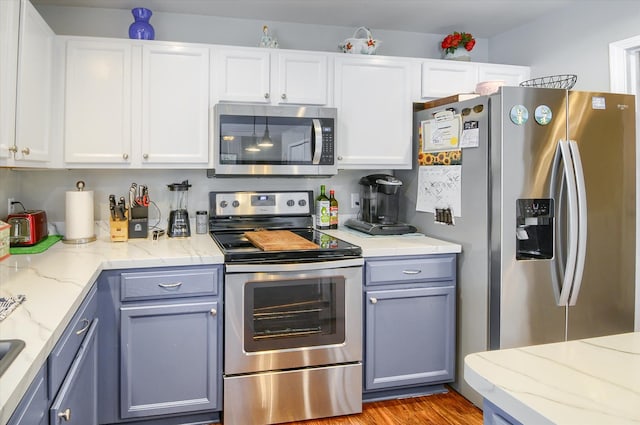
x,y
316,137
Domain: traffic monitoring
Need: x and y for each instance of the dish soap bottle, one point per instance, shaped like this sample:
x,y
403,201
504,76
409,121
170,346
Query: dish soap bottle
x,y
322,210
333,210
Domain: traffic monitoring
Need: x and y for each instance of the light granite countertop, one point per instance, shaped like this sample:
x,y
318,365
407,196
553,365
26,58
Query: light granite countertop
x,y
55,283
591,381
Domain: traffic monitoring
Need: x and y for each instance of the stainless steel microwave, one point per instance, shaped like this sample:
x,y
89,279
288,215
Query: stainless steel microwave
x,y
274,140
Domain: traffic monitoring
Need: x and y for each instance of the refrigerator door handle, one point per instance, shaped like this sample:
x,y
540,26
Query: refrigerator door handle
x,y
563,154
582,221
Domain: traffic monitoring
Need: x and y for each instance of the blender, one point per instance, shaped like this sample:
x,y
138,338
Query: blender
x,y
179,217
379,202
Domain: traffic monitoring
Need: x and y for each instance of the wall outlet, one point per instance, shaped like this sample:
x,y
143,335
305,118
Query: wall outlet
x,y
355,200
10,205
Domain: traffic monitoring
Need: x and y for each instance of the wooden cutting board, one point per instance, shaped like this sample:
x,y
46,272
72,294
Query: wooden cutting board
x,y
278,240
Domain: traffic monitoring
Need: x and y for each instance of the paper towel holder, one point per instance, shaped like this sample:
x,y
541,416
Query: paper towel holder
x,y
70,217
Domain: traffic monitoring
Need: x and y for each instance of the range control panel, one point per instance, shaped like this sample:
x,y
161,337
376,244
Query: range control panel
x,y
281,203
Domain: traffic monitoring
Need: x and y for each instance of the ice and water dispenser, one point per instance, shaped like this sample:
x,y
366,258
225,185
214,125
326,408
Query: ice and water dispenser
x,y
534,229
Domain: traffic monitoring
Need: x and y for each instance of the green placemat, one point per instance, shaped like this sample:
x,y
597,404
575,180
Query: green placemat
x,y
37,248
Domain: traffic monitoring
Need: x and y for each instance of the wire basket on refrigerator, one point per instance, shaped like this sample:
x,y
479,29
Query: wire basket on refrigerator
x,y
564,81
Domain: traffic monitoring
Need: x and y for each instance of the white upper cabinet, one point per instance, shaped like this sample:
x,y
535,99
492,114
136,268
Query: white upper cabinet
x,y
136,104
374,100
257,75
512,75
442,78
97,119
9,30
27,108
175,104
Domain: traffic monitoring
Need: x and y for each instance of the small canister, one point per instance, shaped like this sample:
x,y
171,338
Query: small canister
x,y
202,222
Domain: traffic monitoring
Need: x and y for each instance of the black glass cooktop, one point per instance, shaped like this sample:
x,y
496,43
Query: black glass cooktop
x,y
237,248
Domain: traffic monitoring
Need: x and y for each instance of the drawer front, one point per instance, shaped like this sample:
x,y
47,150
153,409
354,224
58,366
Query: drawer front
x,y
410,269
169,284
65,350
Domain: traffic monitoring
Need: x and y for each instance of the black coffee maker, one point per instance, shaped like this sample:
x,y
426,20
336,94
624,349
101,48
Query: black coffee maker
x,y
379,203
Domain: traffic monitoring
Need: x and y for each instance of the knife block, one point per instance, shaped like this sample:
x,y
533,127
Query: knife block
x,y
119,230
138,222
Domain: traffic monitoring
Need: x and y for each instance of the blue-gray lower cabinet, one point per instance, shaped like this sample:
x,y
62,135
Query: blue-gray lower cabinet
x,y
160,345
168,358
33,409
409,322
77,400
493,415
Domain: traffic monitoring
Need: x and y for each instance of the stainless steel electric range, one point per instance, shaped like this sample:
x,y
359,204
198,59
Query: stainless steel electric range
x,y
293,317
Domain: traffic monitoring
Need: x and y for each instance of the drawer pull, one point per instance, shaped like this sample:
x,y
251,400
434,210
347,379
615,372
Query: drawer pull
x,y
373,300
214,311
170,285
86,324
65,414
412,271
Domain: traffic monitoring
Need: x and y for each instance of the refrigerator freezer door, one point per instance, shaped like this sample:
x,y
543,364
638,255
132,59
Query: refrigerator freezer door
x,y
523,309
603,126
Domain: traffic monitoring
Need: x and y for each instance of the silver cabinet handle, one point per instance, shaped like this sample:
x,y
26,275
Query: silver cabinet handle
x,y
145,156
214,312
86,323
373,300
266,95
125,156
283,96
65,414
411,271
13,149
170,285
339,158
26,151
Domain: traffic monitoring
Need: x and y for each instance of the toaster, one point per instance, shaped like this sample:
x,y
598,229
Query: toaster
x,y
27,227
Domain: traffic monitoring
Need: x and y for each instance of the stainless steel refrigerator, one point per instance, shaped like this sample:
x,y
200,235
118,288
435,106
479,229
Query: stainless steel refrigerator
x,y
547,218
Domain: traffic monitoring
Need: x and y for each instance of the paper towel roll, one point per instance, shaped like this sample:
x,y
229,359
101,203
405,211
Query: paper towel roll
x,y
78,218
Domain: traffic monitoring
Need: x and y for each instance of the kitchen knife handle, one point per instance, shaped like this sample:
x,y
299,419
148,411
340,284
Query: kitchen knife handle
x,y
170,285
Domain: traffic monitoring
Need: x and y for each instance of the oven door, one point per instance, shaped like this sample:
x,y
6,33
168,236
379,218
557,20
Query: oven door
x,y
294,318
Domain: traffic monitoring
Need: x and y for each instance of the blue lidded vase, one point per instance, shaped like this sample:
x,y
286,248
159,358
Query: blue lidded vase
x,y
141,29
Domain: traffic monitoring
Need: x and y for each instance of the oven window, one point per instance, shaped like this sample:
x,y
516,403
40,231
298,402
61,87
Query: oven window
x,y
294,313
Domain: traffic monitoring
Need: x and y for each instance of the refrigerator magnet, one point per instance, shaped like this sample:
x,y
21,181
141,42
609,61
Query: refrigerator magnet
x,y
519,114
543,114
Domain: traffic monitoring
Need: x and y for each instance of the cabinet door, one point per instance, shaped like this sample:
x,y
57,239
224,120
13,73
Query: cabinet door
x,y
175,104
512,75
35,66
9,22
77,400
441,78
33,408
97,119
373,97
302,79
409,337
168,359
242,75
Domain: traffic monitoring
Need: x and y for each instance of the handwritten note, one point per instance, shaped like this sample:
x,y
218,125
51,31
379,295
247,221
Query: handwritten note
x,y
439,186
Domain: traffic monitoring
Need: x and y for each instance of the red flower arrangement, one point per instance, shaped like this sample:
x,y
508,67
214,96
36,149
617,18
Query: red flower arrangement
x,y
456,40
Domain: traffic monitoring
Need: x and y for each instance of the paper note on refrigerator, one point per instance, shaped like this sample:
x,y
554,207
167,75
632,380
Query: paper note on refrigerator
x,y
439,186
441,133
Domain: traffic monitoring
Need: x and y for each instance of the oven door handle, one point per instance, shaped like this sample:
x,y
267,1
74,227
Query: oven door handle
x,y
293,267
